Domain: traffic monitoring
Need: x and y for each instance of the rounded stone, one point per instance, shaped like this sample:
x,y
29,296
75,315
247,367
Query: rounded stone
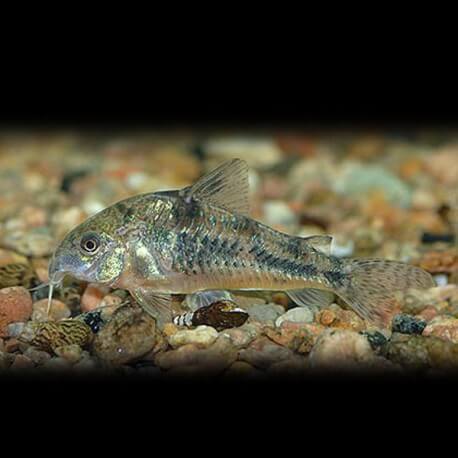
x,y
57,311
203,336
15,305
296,315
130,334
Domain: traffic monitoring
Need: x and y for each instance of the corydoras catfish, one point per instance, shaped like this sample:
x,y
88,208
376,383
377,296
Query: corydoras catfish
x,y
200,239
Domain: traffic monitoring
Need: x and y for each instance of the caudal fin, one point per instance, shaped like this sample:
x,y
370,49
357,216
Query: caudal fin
x,y
373,283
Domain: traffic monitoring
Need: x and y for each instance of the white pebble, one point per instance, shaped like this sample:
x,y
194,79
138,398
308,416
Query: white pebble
x,y
441,279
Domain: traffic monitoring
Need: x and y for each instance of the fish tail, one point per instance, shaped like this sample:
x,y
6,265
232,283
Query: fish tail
x,y
370,287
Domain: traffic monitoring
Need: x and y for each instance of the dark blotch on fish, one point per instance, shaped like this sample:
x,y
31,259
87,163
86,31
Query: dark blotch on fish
x,y
406,324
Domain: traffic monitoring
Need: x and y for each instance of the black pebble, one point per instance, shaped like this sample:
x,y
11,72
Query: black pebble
x,y
94,321
407,324
376,339
432,238
70,177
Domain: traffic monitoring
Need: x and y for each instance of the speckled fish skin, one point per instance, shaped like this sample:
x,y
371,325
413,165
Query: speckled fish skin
x,y
200,238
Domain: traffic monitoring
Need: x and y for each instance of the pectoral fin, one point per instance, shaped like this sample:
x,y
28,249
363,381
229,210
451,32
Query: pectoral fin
x,y
201,299
158,305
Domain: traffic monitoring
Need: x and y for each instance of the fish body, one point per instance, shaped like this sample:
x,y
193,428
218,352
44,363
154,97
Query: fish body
x,y
201,238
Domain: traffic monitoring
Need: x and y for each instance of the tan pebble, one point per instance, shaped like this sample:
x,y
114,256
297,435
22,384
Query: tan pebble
x,y
57,364
2,345
170,329
15,305
58,310
111,300
22,362
11,257
92,297
72,353
428,313
40,265
33,216
444,327
202,336
327,317
182,356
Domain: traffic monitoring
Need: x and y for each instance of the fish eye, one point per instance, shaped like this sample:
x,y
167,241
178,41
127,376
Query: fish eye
x,y
90,243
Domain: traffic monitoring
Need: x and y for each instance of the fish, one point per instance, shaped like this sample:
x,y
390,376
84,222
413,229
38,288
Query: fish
x,y
200,240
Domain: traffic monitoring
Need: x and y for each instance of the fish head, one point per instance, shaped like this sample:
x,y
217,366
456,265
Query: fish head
x,y
91,252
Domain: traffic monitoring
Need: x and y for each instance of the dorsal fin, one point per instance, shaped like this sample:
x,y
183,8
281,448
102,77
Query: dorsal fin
x,y
320,242
226,187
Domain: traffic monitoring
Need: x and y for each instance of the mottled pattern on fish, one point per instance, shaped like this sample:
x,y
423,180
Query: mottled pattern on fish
x,y
184,246
201,238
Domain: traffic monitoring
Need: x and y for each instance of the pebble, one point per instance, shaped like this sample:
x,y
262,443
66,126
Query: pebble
x,y
39,357
243,335
202,336
130,334
93,296
406,324
257,152
296,315
416,352
262,352
11,345
357,179
15,329
375,338
342,349
58,310
440,261
190,359
57,365
444,327
15,305
277,213
265,313
440,279
71,353
22,362
417,300
299,337
36,242
337,317
11,257
5,360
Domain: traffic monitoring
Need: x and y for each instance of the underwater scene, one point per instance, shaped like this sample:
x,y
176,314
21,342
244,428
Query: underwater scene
x,y
228,253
